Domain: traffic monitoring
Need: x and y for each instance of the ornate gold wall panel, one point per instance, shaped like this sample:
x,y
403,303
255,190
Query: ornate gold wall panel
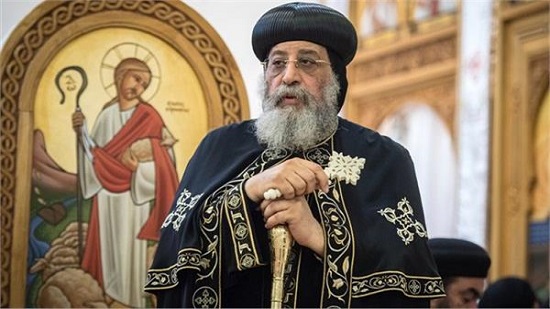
x,y
373,110
521,80
415,69
383,23
30,49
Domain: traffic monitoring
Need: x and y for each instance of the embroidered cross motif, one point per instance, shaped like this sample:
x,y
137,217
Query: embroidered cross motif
x,y
344,168
205,298
318,156
184,203
408,226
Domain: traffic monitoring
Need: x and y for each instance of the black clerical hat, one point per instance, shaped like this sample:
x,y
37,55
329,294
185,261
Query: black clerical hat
x,y
459,258
311,22
508,292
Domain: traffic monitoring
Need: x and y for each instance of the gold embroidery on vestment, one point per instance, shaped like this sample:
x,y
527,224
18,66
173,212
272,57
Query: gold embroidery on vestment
x,y
403,218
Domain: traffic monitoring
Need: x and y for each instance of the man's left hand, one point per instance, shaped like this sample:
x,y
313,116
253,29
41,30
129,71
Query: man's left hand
x,y
296,214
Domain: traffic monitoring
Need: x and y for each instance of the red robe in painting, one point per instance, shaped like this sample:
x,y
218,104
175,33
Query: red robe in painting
x,y
115,177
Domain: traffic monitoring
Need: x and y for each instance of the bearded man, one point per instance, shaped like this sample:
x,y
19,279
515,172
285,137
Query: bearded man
x,y
348,196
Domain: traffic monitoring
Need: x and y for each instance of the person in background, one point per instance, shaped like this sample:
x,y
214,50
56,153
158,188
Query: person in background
x,y
348,196
464,266
509,292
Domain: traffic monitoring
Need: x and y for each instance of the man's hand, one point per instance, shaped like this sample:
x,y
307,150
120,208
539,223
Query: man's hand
x,y
129,160
295,177
78,120
296,214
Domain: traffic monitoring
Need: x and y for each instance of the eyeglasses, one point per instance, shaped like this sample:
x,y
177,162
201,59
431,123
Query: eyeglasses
x,y
277,65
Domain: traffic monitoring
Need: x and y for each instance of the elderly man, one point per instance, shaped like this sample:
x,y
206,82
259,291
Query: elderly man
x,y
348,196
463,265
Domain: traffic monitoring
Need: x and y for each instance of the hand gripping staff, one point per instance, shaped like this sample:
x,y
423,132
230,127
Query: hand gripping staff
x,y
340,168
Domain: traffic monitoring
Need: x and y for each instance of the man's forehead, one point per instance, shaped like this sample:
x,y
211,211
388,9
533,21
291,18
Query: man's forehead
x,y
469,284
299,47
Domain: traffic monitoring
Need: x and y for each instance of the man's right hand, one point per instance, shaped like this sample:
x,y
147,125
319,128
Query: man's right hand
x,y
295,177
78,119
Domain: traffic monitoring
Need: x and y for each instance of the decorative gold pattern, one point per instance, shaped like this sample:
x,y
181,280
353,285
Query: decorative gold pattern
x,y
291,277
188,259
408,227
230,197
393,280
339,284
240,227
339,237
205,298
339,168
206,260
407,60
281,243
184,204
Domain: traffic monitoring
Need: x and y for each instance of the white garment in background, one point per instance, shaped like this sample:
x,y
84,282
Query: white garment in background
x,y
121,216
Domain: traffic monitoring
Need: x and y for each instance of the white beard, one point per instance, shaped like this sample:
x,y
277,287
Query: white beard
x,y
298,127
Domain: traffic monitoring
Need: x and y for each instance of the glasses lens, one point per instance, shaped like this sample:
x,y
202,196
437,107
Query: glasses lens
x,y
276,66
307,65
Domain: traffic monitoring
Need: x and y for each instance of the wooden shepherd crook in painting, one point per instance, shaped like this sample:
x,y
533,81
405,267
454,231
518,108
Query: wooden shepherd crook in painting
x,y
70,84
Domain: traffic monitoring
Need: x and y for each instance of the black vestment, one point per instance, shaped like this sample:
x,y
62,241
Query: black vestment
x,y
214,250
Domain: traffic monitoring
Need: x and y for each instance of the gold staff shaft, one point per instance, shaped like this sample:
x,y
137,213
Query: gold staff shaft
x,y
281,243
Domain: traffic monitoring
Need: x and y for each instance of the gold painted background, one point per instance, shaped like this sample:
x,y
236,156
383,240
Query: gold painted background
x,y
199,88
179,98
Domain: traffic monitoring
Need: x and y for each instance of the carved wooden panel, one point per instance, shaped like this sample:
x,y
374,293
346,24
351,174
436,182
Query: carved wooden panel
x,y
384,22
440,96
420,69
521,81
403,61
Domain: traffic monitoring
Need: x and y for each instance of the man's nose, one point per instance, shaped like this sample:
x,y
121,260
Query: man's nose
x,y
291,74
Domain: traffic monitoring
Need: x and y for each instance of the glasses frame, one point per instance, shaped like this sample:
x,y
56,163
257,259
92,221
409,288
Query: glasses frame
x,y
297,65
